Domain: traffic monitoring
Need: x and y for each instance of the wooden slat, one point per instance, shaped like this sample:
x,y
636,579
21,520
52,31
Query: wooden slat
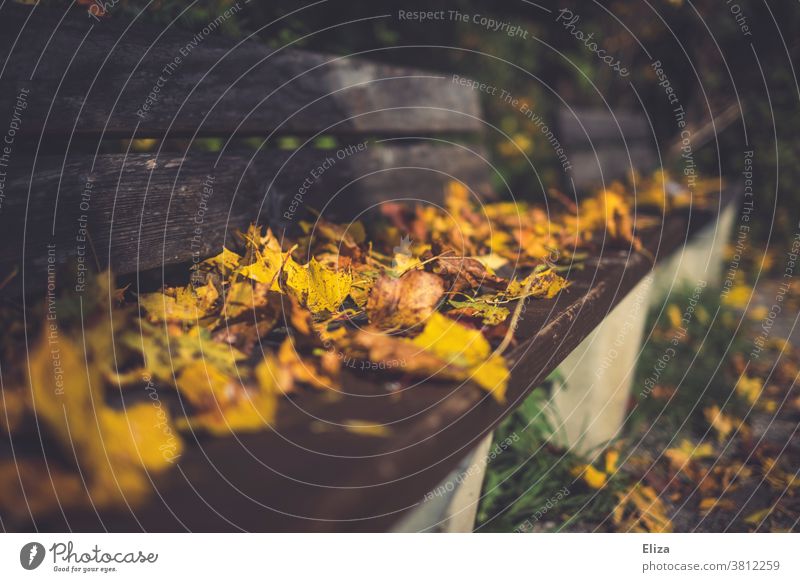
x,y
591,169
145,210
311,475
605,145
95,76
579,125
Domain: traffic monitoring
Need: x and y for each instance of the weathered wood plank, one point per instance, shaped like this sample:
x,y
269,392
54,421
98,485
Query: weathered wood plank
x,y
146,210
605,145
600,125
312,475
112,76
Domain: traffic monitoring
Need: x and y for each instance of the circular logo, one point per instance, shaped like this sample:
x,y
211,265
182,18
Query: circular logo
x,y
31,555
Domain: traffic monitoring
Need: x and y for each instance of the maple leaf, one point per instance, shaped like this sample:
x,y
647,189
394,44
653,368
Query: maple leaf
x,y
318,288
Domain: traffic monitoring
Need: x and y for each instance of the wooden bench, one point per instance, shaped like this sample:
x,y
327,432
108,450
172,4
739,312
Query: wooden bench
x,y
92,89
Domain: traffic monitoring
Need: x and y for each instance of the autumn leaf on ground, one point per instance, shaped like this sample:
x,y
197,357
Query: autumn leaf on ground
x,y
749,388
757,517
680,457
592,477
405,302
721,422
738,296
641,510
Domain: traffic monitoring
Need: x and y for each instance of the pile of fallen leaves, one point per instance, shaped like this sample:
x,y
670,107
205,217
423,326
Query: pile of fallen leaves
x,y
427,293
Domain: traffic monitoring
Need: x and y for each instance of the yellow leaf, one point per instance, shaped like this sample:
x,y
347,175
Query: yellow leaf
x,y
758,516
114,450
738,296
749,388
205,386
686,452
318,288
180,304
465,348
250,411
644,510
674,315
591,476
721,422
546,283
612,457
492,261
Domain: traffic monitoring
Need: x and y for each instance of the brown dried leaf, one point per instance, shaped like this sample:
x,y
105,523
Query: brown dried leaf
x,y
405,302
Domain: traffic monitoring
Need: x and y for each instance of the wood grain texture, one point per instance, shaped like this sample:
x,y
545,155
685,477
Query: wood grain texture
x,y
147,210
311,475
87,77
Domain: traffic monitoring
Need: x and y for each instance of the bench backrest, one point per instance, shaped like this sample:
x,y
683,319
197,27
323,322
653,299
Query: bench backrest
x,y
605,145
80,95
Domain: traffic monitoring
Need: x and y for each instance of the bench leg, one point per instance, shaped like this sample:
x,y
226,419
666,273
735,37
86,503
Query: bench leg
x,y
587,409
452,505
588,406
